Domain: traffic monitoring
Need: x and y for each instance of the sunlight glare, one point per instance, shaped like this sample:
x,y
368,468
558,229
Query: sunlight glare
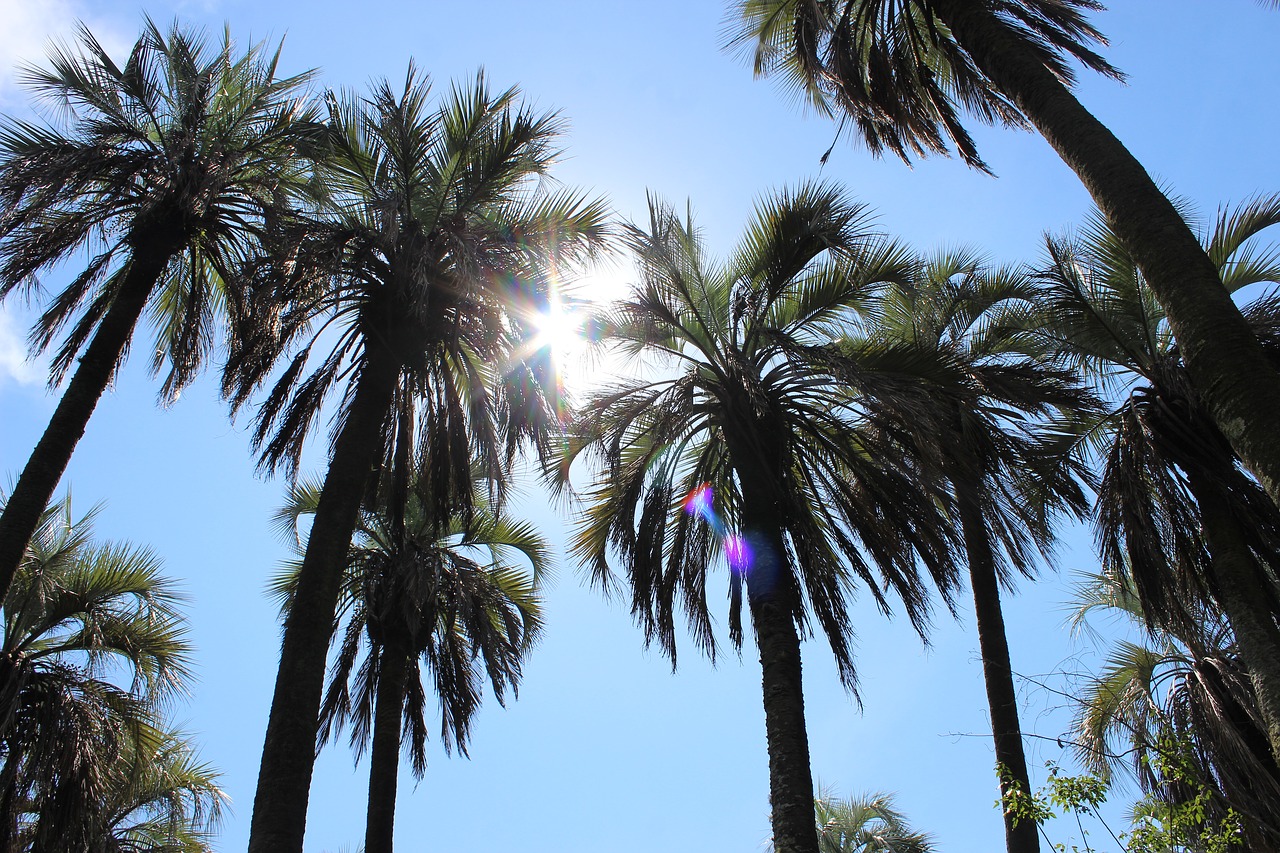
x,y
563,329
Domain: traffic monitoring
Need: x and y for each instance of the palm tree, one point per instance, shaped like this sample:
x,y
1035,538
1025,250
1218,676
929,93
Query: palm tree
x,y
441,222
999,441
1184,701
451,599
1175,510
78,616
866,824
899,70
165,168
162,798
742,452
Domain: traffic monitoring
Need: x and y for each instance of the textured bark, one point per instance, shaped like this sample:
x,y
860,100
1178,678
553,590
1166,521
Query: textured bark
x,y
1237,575
288,753
1224,359
769,594
384,755
97,366
1020,836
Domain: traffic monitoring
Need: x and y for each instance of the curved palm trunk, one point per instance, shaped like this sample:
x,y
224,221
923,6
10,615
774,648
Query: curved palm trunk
x,y
1249,613
1020,836
769,594
1225,360
384,759
288,753
53,452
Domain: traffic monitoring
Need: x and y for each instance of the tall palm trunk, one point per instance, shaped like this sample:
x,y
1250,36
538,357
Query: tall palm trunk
x,y
769,593
36,485
1020,836
288,754
1225,360
384,760
1247,610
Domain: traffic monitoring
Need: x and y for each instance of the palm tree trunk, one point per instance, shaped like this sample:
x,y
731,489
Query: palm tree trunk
x,y
53,453
1225,360
288,753
770,593
8,815
1020,836
1249,613
384,758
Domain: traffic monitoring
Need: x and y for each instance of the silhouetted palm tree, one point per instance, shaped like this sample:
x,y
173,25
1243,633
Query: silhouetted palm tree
x,y
1002,438
164,169
1175,510
743,450
438,232
901,71
1183,701
78,616
455,600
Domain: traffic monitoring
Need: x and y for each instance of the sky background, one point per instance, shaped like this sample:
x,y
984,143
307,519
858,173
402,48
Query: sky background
x,y
606,749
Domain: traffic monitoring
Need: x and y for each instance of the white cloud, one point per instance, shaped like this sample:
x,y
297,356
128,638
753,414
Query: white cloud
x,y
30,25
14,363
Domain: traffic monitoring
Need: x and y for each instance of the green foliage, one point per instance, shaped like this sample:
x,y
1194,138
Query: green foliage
x,y
1157,825
755,402
864,823
893,70
463,602
94,645
185,150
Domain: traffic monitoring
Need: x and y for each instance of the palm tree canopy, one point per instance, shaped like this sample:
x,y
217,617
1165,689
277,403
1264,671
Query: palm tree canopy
x,y
80,618
440,231
894,69
865,823
1010,407
464,600
165,799
107,603
1175,699
752,393
180,154
1100,314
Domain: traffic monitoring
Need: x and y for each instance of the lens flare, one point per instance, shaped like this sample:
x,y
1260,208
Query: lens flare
x,y
738,552
700,502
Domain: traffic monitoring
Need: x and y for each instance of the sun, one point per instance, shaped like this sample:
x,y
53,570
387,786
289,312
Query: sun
x,y
562,327
559,328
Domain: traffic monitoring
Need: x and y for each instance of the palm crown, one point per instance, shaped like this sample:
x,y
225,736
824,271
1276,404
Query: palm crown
x,y
752,404
1176,701
1009,409
894,68
1158,438
174,158
439,232
78,616
455,597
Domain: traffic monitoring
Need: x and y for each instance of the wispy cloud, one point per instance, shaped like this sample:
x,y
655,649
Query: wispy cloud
x,y
30,25
15,366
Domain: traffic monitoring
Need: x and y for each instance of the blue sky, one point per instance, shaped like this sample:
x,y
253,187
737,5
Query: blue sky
x,y
606,749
